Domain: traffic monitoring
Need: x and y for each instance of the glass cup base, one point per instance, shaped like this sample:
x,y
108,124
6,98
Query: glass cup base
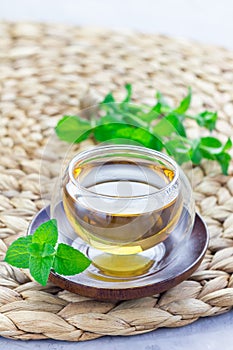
x,y
122,266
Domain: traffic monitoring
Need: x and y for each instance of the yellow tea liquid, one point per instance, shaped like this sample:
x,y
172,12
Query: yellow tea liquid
x,y
121,213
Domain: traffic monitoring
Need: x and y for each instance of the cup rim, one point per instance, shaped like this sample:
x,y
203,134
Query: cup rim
x,y
97,149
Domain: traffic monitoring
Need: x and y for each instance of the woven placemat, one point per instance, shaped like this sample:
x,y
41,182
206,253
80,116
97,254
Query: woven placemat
x,y
44,71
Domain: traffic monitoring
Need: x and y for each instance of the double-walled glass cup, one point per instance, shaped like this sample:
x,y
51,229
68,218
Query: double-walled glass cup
x,y
131,206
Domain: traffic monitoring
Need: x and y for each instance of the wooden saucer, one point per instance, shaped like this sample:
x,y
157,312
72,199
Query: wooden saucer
x,y
184,264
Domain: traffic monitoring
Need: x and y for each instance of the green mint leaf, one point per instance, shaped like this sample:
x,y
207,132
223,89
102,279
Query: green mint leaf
x,y
224,160
35,249
40,268
46,233
206,119
17,254
147,139
37,252
195,152
73,129
179,148
106,131
206,154
133,108
164,128
41,250
48,250
128,88
156,127
69,261
149,116
161,107
185,103
175,120
120,133
227,145
108,99
211,148
196,156
169,125
134,120
211,145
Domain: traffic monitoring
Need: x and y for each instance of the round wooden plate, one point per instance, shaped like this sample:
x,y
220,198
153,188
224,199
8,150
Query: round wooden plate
x,y
186,262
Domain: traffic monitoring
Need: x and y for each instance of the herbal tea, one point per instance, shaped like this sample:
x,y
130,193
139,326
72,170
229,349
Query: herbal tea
x,y
111,204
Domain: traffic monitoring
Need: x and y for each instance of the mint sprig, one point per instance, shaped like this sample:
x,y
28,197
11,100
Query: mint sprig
x,y
18,254
41,252
160,127
69,261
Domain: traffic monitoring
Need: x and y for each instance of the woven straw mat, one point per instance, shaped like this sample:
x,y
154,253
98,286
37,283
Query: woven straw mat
x,y
45,70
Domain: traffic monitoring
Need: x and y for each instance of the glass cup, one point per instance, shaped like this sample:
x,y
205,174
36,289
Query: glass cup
x,y
128,208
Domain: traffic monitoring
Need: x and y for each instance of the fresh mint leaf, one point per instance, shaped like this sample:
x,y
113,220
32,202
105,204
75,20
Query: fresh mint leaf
x,y
149,116
130,123
106,131
37,252
108,99
211,145
161,106
48,250
73,129
211,148
147,139
206,119
196,156
179,148
35,249
132,108
69,261
195,153
40,268
46,233
227,145
121,133
175,120
169,125
17,253
41,250
134,120
224,160
128,88
185,103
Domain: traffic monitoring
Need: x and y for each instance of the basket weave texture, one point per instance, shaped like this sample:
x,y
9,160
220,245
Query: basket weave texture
x,y
45,70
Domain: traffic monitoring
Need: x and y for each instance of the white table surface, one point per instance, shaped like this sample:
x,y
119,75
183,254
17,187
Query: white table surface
x,y
212,333
207,21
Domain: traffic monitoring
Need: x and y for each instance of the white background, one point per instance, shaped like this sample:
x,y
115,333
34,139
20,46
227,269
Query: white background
x,y
208,21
